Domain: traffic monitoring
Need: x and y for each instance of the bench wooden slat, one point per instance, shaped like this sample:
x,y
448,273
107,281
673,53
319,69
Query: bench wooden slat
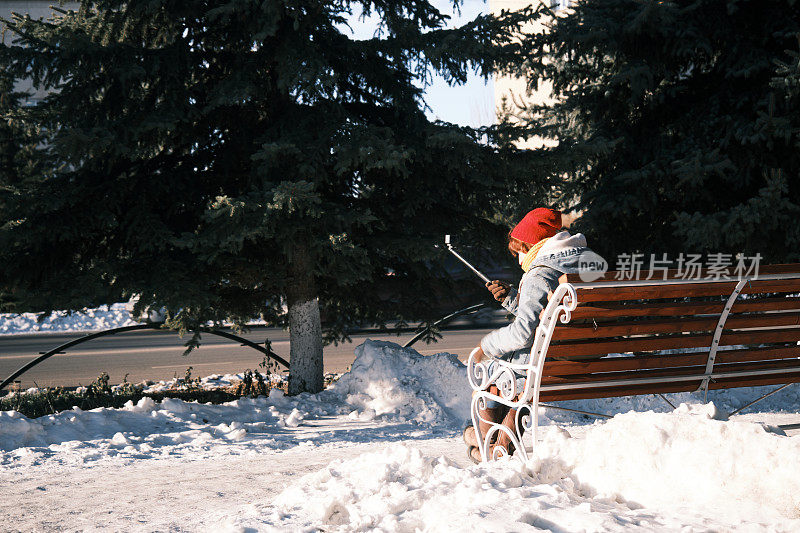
x,y
678,290
611,392
614,364
617,310
672,342
696,370
630,390
615,329
658,275
754,381
757,354
662,388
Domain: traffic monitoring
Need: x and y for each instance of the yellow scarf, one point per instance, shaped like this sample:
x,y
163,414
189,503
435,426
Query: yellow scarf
x,y
531,255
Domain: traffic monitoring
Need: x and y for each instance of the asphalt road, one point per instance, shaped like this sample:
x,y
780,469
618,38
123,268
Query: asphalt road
x,y
157,355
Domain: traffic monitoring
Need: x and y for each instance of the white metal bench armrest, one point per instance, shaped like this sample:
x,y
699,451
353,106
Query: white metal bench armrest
x,y
504,375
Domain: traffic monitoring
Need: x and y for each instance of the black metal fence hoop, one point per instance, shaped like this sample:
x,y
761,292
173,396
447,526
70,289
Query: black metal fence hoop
x,y
153,325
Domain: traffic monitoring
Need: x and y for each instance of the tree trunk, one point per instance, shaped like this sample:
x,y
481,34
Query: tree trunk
x,y
305,328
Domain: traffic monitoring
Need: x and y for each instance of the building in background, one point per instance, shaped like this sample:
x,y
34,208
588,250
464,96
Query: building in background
x,y
510,91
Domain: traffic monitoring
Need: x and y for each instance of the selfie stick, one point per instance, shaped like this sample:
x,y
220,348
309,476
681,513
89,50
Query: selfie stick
x,y
452,251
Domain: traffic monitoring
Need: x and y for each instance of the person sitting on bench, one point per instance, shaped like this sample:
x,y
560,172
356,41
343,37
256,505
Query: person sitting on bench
x,y
545,251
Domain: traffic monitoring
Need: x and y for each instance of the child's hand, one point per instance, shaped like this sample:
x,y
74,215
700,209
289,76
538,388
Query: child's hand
x,y
499,289
477,354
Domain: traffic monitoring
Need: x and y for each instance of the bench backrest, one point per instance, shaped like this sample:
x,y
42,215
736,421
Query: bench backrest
x,y
669,334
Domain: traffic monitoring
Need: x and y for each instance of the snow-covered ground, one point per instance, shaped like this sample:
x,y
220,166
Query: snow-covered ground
x,y
380,450
211,382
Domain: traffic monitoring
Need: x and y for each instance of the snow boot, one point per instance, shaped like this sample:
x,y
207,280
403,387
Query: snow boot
x,y
509,421
474,454
470,439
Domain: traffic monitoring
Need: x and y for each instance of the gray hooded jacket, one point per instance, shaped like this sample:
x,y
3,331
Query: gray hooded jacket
x,y
558,256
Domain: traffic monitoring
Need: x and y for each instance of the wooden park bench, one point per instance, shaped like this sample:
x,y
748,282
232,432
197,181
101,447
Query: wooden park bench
x,y
620,337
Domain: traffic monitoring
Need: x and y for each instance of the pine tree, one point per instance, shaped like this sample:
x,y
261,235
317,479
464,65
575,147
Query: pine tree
x,y
671,132
18,161
229,159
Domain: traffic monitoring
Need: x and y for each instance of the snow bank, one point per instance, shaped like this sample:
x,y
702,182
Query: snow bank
x,y
387,384
682,459
104,317
85,320
145,425
642,471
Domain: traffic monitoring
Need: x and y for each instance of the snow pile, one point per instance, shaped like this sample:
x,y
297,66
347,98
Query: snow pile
x,y
640,471
392,384
682,459
400,489
145,426
104,317
400,384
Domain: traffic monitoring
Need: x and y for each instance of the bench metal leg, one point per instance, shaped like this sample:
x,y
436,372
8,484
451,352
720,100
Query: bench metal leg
x,y
742,408
598,415
665,399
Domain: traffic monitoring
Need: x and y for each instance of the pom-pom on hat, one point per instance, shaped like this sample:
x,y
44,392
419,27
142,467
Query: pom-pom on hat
x,y
538,224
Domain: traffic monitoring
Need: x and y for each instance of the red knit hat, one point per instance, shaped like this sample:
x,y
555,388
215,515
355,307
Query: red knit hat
x,y
539,224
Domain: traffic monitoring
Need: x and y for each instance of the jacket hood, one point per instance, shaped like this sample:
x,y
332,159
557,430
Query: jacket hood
x,y
562,241
562,252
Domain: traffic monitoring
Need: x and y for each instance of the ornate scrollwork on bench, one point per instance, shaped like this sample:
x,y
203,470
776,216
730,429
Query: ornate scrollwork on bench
x,y
516,385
